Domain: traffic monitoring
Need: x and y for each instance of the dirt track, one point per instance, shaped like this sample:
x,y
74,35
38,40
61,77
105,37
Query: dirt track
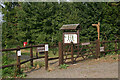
x,y
100,68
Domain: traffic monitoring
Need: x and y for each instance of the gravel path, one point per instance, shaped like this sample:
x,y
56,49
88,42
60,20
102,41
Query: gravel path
x,y
83,69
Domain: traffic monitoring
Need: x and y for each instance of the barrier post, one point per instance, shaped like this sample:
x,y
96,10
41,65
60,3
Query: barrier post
x,y
97,48
60,53
31,55
18,54
72,57
115,47
46,60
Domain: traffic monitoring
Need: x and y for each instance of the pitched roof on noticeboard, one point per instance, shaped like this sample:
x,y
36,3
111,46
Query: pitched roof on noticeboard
x,y
70,27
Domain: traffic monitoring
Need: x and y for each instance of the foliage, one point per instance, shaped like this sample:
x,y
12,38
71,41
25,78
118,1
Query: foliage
x,y
41,64
40,22
64,66
9,72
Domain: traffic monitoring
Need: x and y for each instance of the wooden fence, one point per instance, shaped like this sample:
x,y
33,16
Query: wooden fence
x,y
97,48
18,64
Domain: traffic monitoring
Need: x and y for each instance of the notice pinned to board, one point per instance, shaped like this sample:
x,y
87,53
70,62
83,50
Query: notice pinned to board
x,y
46,47
19,53
40,49
101,49
87,43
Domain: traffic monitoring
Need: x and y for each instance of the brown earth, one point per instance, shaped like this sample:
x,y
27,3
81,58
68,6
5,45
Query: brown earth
x,y
105,67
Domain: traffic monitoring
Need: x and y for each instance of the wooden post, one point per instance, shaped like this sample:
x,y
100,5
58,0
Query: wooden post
x,y
72,57
18,60
60,53
36,53
78,41
104,48
31,55
46,60
119,44
98,29
98,41
116,46
78,47
97,48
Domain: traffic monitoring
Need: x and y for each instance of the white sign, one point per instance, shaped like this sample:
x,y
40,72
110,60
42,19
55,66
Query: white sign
x,y
68,38
40,49
46,47
101,49
87,43
19,53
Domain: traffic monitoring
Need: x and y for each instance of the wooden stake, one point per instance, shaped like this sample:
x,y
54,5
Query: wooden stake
x,y
72,57
46,60
31,55
18,60
98,29
60,53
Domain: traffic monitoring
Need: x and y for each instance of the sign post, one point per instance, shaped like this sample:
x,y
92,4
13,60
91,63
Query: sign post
x,y
98,29
98,41
70,37
46,56
18,54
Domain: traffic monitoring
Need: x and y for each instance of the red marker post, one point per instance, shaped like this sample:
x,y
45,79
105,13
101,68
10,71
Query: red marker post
x,y
24,44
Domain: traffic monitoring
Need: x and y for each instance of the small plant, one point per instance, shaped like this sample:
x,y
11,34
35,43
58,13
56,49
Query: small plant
x,y
41,64
30,67
90,56
23,75
64,66
114,58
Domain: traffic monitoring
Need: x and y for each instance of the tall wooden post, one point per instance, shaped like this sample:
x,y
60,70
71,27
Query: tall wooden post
x,y
119,44
115,47
78,40
98,29
104,48
46,60
72,57
31,55
97,48
98,41
36,53
18,59
60,53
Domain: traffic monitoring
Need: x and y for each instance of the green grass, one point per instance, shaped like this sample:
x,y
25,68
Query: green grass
x,y
63,66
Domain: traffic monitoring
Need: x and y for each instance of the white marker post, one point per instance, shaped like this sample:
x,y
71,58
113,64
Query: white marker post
x,y
19,53
46,47
46,56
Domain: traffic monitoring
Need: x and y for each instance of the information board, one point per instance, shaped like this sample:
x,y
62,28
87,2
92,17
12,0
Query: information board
x,y
101,49
87,43
68,38
42,49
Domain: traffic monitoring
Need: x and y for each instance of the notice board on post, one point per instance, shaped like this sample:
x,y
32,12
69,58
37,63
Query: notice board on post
x,y
42,49
70,37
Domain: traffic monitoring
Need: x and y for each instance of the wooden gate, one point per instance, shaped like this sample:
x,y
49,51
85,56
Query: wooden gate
x,y
76,52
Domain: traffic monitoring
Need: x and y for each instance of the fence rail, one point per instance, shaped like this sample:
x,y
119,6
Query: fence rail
x,y
31,56
95,48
